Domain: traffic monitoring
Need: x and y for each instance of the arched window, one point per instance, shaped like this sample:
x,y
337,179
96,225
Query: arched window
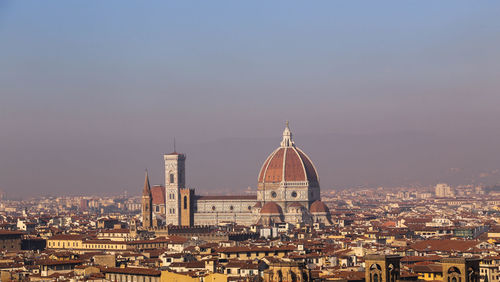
x,y
171,178
375,271
185,202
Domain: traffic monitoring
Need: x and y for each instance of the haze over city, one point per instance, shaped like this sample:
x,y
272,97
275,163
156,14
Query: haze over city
x,y
92,93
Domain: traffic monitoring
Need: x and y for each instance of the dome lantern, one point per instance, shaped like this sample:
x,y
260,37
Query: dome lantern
x,y
287,137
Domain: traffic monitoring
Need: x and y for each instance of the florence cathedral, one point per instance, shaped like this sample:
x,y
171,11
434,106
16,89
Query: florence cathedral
x,y
288,192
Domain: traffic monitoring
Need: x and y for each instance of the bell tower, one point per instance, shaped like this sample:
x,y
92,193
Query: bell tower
x,y
174,182
147,212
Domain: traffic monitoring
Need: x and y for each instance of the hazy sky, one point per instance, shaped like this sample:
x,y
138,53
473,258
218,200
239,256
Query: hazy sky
x,y
377,92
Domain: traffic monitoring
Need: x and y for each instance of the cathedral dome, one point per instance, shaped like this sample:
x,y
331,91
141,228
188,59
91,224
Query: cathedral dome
x,y
271,208
288,163
318,207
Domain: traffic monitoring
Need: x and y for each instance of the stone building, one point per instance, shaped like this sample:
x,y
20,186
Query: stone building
x,y
10,240
288,191
386,268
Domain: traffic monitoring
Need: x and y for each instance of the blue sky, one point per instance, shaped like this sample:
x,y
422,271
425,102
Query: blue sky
x,y
85,84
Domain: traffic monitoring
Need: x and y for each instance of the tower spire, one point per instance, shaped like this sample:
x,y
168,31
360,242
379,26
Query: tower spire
x,y
147,189
287,140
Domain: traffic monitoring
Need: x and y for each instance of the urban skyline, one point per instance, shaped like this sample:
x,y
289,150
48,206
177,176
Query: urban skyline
x,y
259,141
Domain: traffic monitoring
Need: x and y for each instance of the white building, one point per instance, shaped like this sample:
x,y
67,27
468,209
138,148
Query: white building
x,y
443,190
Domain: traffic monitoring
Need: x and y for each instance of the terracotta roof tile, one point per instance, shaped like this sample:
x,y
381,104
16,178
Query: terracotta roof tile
x,y
158,195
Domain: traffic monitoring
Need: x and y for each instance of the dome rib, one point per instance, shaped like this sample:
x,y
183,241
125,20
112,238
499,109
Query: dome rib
x,y
302,163
311,172
294,169
274,168
283,168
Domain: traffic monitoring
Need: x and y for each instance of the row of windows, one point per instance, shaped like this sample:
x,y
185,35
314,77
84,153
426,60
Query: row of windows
x,y
130,278
294,194
239,271
74,244
230,208
257,254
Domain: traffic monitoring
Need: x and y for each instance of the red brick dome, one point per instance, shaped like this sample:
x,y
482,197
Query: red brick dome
x,y
288,164
271,208
318,207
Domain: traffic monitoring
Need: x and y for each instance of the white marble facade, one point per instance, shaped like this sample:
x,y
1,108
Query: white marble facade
x,y
289,180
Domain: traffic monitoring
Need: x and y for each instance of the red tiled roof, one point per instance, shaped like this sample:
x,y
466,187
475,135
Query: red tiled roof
x,y
189,264
409,259
67,237
318,206
429,268
271,208
241,249
236,197
158,195
296,205
120,230
172,239
294,171
242,264
274,170
131,270
57,262
288,162
444,245
312,175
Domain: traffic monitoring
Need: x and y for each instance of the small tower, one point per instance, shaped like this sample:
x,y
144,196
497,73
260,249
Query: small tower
x,y
174,182
382,268
186,209
461,269
147,201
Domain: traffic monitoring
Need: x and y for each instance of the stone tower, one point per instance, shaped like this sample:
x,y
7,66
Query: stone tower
x,y
461,269
174,182
186,209
382,268
147,201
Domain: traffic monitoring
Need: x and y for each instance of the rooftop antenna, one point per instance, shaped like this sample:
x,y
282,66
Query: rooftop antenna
x,y
174,145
